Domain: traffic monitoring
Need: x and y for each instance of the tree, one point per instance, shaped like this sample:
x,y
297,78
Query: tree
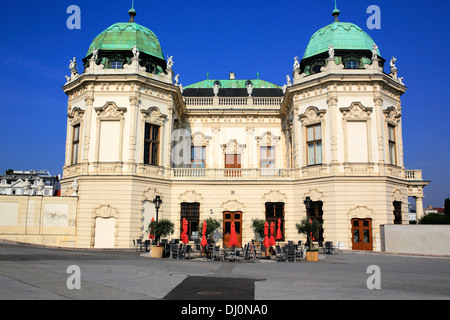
x,y
9,171
434,218
161,228
258,227
211,225
309,228
447,207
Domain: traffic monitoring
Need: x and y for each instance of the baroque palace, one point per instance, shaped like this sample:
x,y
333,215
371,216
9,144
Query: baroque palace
x,y
329,140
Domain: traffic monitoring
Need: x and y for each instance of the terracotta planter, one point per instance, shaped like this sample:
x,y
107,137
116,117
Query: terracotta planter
x,y
312,256
156,252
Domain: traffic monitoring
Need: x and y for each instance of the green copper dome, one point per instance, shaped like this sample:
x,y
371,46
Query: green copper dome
x,y
342,35
124,36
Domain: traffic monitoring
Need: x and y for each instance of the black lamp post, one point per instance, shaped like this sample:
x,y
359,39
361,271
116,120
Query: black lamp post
x,y
308,204
157,202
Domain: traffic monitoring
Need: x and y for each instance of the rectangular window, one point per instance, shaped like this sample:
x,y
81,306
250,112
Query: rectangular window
x,y
190,212
314,144
352,64
392,153
198,158
116,65
151,144
275,211
267,158
75,143
397,212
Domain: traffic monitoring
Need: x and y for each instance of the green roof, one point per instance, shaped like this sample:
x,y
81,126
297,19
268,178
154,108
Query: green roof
x,y
342,35
123,36
238,84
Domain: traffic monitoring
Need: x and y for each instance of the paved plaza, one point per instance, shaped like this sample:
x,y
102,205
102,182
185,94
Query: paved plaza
x,y
31,273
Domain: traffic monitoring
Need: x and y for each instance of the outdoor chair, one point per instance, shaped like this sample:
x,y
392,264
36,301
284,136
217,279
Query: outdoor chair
x,y
166,252
290,253
299,251
232,254
185,251
139,244
320,246
336,249
216,254
279,254
174,251
328,247
147,245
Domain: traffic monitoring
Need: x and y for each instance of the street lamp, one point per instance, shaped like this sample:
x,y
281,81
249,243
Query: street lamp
x,y
157,202
308,204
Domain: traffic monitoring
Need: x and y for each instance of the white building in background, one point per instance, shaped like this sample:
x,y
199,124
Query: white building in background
x,y
331,136
30,183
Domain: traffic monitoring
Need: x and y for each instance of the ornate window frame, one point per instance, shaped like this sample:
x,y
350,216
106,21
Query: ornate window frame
x,y
154,116
110,112
268,139
105,211
76,118
357,112
392,118
313,116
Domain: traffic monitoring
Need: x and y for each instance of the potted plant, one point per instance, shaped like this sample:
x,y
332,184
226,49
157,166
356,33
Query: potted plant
x,y
160,228
211,225
309,228
258,228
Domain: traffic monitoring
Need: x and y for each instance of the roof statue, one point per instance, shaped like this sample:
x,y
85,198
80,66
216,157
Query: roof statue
x,y
392,63
73,65
330,51
135,52
288,80
94,54
296,64
169,63
374,52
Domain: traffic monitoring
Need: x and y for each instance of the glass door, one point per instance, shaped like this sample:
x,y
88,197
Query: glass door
x,y
362,234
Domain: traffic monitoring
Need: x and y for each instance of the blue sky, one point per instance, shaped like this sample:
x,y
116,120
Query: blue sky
x,y
218,37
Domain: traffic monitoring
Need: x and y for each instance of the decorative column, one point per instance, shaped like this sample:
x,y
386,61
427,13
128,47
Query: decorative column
x,y
134,106
89,100
419,207
295,134
252,163
380,130
332,101
167,139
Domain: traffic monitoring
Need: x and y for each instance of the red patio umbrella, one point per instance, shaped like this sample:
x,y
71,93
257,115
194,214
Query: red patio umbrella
x,y
279,235
266,235
184,236
151,236
272,238
312,236
204,241
233,237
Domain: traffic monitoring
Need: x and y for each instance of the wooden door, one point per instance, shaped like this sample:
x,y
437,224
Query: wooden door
x,y
228,218
362,234
233,162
